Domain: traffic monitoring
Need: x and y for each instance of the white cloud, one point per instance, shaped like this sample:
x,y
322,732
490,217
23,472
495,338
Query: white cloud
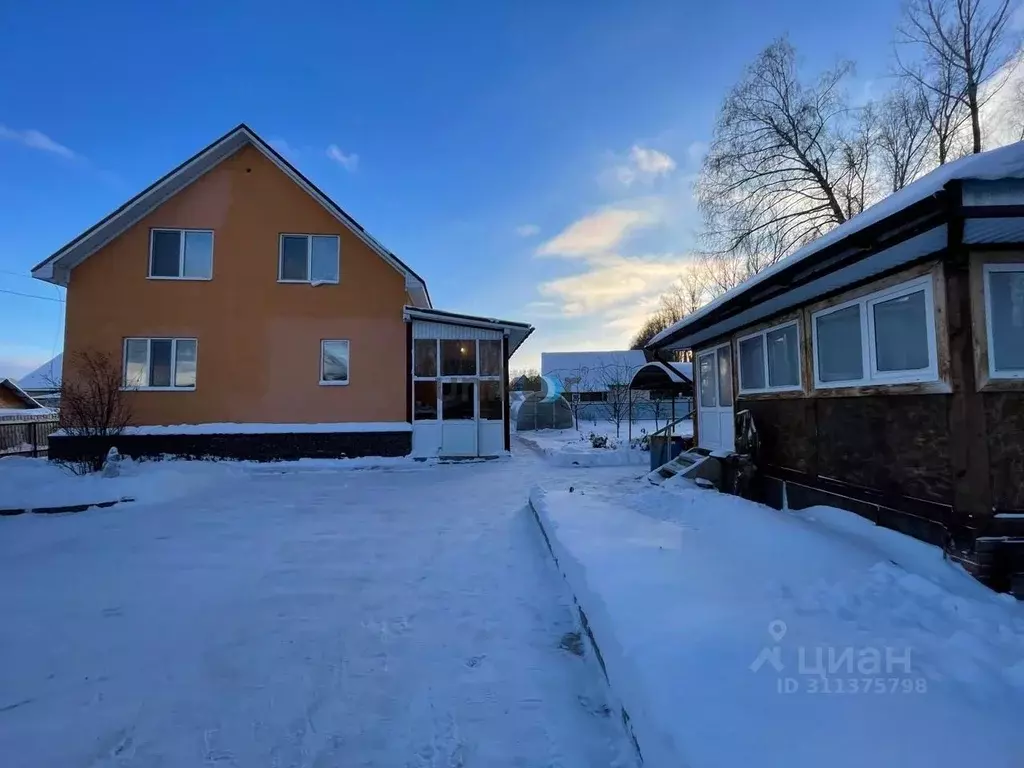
x,y
527,230
642,165
597,233
651,161
625,283
34,139
348,162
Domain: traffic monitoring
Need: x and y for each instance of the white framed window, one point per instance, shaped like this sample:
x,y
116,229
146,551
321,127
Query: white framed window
x,y
886,337
334,362
160,364
445,373
180,254
769,360
1004,320
311,259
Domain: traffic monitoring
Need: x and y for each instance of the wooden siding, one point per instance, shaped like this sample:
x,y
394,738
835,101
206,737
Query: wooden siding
x,y
1004,421
898,447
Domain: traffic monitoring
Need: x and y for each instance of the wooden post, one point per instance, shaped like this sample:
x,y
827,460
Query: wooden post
x,y
629,410
34,430
968,439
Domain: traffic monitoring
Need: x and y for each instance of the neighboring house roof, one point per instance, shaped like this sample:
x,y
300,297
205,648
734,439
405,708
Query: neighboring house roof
x,y
517,332
596,369
659,375
46,377
30,405
1003,163
686,369
56,268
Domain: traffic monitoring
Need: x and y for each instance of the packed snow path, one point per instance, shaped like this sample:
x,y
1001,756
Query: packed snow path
x,y
393,617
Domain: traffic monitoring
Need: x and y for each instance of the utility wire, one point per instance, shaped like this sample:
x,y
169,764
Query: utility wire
x,y
31,296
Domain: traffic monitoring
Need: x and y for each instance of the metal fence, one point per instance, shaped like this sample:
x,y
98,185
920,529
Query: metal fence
x,y
25,437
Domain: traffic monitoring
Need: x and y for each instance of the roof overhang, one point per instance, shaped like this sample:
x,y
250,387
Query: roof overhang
x,y
57,268
659,375
517,332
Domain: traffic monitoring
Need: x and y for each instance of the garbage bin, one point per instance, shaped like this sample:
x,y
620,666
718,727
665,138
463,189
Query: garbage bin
x,y
664,448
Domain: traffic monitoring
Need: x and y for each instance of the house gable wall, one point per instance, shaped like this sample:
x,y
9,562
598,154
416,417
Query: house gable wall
x,y
258,340
10,400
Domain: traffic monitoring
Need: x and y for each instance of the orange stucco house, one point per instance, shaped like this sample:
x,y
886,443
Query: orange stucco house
x,y
253,318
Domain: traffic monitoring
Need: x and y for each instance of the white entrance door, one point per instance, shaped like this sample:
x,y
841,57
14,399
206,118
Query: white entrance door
x,y
458,418
715,420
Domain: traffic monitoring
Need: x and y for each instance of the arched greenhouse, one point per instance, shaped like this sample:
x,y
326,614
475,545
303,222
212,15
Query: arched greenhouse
x,y
534,411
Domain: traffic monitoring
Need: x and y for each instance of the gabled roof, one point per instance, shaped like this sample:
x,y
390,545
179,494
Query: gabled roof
x,y
45,377
1002,163
18,392
55,269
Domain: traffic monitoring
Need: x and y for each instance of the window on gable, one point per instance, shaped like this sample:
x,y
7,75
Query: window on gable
x,y
181,254
887,337
1004,311
160,363
770,360
309,259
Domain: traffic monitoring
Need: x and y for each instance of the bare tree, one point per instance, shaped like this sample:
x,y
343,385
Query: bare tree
x,y
960,46
524,380
93,404
615,378
575,383
859,143
770,180
904,138
688,293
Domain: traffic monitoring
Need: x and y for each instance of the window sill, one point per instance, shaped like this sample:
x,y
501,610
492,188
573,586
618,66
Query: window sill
x,y
158,389
313,283
334,383
772,390
931,387
181,279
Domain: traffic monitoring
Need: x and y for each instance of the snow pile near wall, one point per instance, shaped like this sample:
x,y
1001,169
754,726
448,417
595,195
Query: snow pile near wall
x,y
735,634
33,483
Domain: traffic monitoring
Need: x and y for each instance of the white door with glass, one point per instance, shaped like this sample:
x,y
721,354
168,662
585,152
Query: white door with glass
x,y
458,397
715,420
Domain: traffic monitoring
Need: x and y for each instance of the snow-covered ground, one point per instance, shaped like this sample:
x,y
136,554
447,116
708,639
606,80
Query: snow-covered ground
x,y
572,447
295,615
735,634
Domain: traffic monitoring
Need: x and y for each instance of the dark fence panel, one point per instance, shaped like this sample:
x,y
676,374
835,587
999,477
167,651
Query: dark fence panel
x,y
25,437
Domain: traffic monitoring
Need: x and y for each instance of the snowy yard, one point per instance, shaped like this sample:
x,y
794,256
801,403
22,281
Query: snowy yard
x,y
572,447
735,634
295,615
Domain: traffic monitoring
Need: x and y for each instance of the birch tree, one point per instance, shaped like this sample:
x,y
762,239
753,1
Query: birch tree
x,y
771,177
952,48
905,140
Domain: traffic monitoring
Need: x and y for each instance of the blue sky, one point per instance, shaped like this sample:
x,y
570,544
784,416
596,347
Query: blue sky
x,y
531,160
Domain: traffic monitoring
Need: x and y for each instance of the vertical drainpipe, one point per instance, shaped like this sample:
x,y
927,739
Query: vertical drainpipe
x,y
507,418
408,371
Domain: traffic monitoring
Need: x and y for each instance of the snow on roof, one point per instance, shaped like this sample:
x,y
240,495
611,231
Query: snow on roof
x,y
1002,163
684,368
46,376
28,400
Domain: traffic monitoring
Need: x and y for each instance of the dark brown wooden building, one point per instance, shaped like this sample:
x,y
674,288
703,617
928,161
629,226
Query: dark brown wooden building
x,y
884,365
